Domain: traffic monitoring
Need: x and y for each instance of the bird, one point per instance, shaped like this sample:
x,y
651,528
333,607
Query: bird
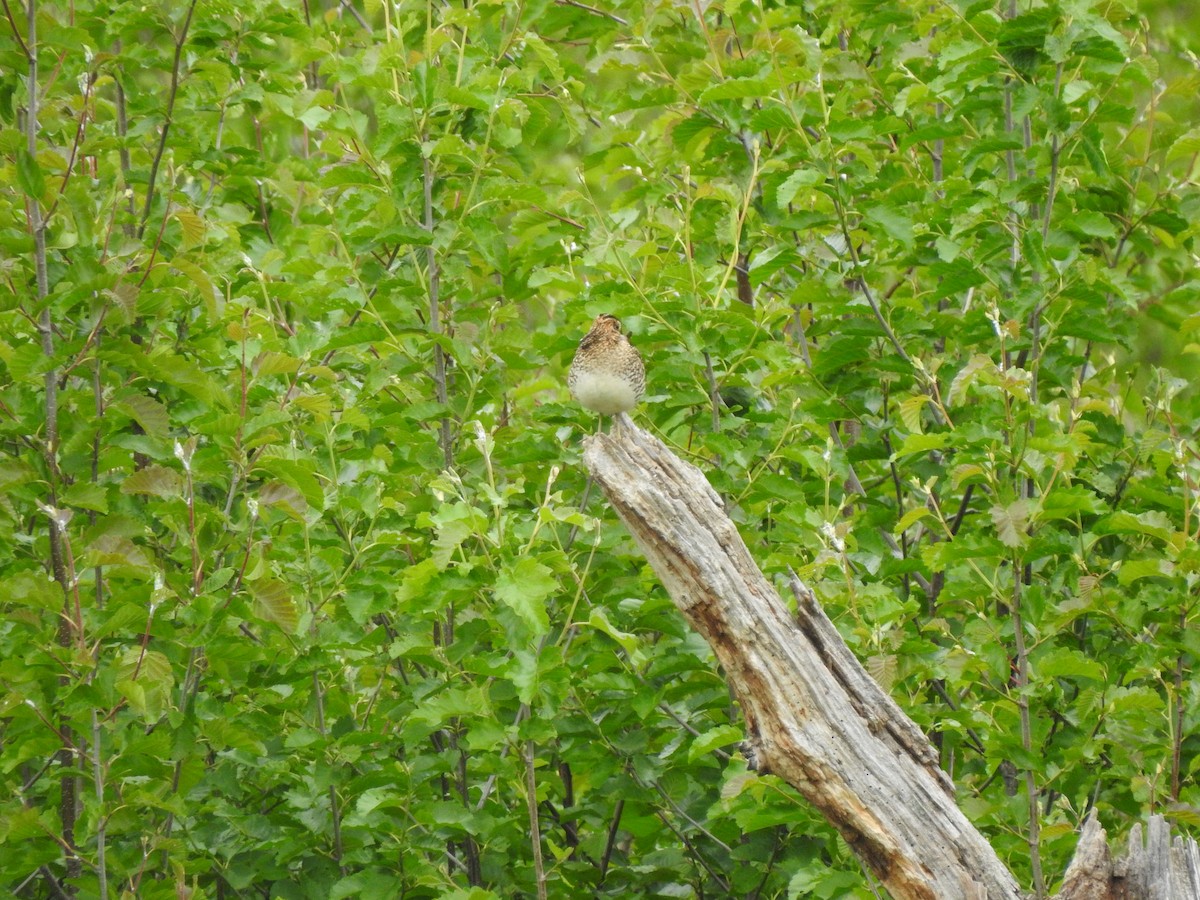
x,y
607,375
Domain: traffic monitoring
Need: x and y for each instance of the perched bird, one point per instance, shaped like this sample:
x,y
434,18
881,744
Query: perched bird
x,y
607,375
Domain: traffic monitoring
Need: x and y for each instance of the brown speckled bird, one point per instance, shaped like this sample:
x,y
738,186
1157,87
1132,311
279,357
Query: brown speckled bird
x,y
607,375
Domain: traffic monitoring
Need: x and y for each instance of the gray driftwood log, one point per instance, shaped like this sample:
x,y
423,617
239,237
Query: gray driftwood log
x,y
815,718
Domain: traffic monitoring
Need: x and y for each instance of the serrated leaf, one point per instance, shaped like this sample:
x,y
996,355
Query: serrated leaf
x,y
629,642
204,286
923,443
736,89
296,474
545,55
1092,223
979,363
192,227
86,495
270,362
894,223
148,666
27,363
962,472
1012,521
34,589
145,678
790,186
115,550
1185,147
285,497
523,587
1135,569
274,603
157,480
910,412
721,736
882,667
1152,523
910,518
29,175
147,412
1066,662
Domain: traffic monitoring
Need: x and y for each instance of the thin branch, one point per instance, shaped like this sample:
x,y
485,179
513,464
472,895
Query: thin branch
x,y
591,9
162,141
435,314
535,832
349,7
15,30
1021,683
45,326
611,842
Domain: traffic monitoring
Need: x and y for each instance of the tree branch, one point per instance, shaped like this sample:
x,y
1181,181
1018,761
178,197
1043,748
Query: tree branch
x,y
162,141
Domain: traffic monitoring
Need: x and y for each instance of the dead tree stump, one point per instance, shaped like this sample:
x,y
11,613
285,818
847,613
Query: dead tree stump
x,y
815,718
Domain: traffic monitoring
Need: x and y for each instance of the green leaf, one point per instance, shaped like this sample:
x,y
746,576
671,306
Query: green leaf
x,y
598,618
894,223
274,603
735,89
85,495
910,518
1012,521
1132,570
524,586
923,443
1092,224
208,292
721,736
29,176
1066,662
145,678
111,549
910,412
786,192
157,480
31,589
149,413
296,474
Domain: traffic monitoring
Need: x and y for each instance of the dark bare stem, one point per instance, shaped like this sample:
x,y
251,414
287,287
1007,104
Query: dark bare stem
x,y
56,888
714,395
611,843
122,130
66,628
1020,685
864,288
350,8
15,30
166,129
98,577
85,107
591,9
1055,150
535,832
185,455
1177,736
102,819
435,314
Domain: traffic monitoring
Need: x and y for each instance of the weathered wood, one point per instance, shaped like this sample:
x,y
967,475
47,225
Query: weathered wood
x,y
1157,867
814,717
1089,876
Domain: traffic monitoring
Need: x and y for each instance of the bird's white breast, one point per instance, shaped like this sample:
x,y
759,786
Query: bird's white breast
x,y
604,393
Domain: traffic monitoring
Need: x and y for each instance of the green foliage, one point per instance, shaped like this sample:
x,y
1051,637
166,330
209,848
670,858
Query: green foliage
x,y
328,622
